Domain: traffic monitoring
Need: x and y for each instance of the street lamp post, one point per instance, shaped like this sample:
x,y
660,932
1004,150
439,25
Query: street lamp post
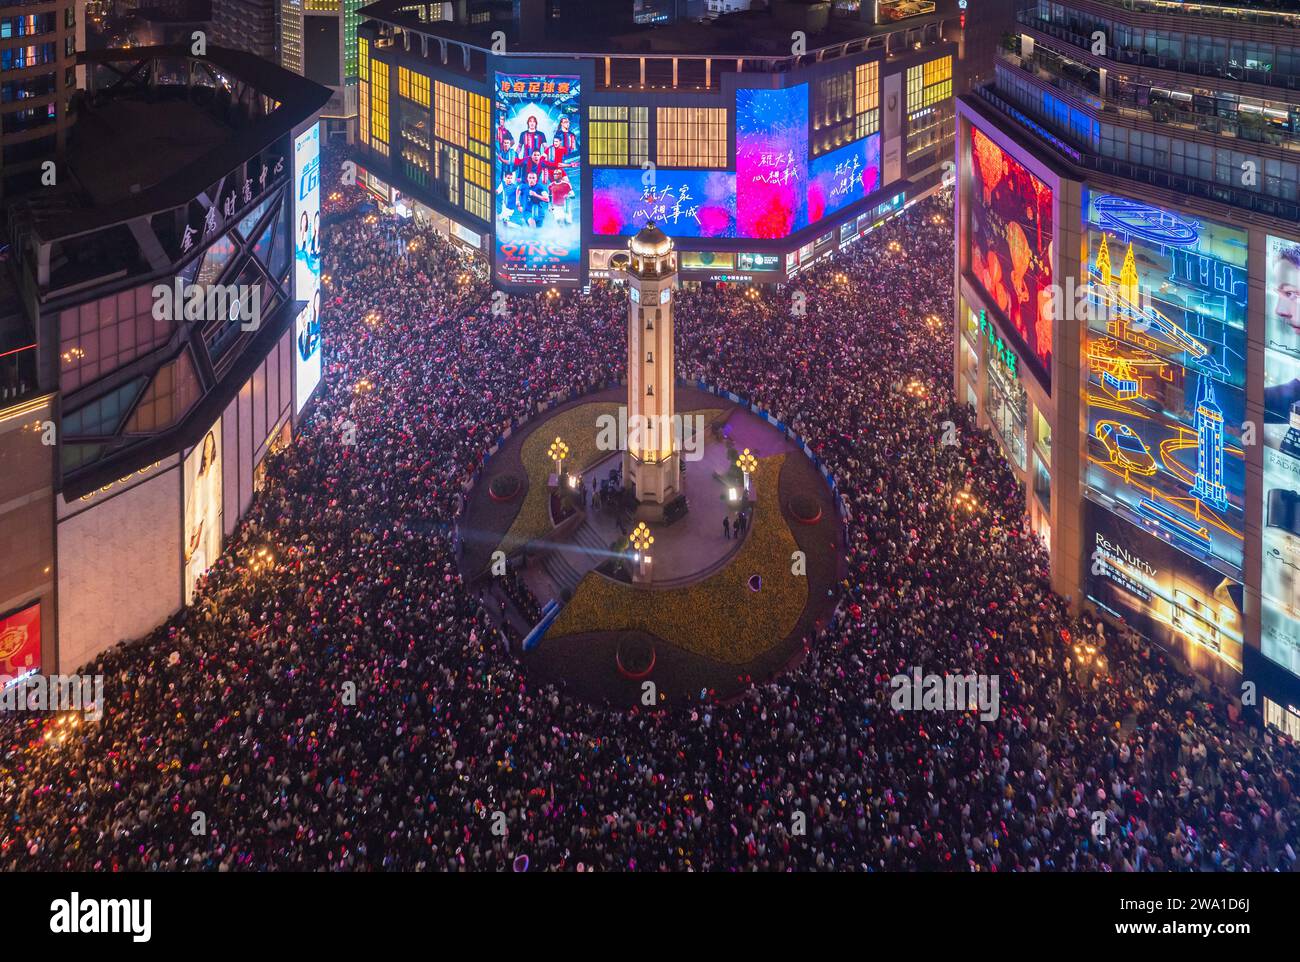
x,y
748,464
558,452
641,540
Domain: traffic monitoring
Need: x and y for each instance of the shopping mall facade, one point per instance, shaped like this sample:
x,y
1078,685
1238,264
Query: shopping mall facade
x,y
757,164
1127,322
134,417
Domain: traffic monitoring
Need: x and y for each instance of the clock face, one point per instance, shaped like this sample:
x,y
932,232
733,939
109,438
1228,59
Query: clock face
x,y
636,296
665,294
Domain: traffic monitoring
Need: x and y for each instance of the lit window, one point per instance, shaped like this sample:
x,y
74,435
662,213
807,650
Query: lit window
x,y
692,136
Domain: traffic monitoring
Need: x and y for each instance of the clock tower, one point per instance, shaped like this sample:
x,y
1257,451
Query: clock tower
x,y
651,461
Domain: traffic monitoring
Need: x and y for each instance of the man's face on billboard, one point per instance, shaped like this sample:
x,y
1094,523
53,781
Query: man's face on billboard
x,y
1286,293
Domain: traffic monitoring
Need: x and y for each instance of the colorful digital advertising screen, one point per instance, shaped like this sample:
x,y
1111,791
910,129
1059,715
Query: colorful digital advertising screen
x,y
683,203
1164,298
538,180
1280,566
844,175
203,508
771,161
20,644
1010,245
307,260
1142,579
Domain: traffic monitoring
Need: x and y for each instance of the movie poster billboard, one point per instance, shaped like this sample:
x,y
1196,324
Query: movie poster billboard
x,y
538,183
307,264
1010,243
1139,577
843,176
203,507
1280,565
771,161
1165,298
20,644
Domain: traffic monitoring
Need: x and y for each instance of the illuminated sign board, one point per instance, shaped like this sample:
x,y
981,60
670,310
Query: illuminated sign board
x,y
1165,297
20,643
760,262
998,348
203,508
771,161
1280,565
1010,244
538,180
845,175
1141,578
307,258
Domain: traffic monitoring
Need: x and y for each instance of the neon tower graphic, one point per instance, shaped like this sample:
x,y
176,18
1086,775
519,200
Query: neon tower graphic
x,y
1209,448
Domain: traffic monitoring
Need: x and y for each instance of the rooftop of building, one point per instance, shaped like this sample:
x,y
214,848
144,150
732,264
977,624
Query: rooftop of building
x,y
750,33
138,147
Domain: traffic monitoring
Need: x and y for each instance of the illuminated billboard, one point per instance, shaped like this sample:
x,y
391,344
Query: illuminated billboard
x,y
20,643
1165,299
1173,600
1010,244
684,203
843,176
771,161
1280,566
202,508
307,258
538,207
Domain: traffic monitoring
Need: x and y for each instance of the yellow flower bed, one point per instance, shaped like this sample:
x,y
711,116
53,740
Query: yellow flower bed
x,y
578,427
718,617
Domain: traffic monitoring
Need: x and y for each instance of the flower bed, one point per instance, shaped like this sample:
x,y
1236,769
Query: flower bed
x,y
805,509
720,617
504,487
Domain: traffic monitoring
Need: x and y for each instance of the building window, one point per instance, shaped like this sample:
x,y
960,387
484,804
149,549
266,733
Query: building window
x,y
929,83
618,136
480,127
834,114
170,395
449,113
98,337
1006,405
868,99
413,86
363,62
692,136
363,122
477,200
478,172
379,109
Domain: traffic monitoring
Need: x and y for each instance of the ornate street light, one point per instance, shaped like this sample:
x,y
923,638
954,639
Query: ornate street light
x,y
641,540
748,464
558,452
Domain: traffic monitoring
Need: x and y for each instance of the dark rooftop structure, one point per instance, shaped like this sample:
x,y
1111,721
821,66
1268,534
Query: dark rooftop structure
x,y
751,33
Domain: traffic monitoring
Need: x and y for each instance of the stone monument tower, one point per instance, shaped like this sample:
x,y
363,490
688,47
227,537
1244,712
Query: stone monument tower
x,y
651,462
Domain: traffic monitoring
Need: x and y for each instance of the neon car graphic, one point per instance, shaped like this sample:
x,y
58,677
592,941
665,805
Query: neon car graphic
x,y
1125,448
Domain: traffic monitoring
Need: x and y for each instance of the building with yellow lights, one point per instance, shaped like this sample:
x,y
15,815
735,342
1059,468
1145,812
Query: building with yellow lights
x,y
705,129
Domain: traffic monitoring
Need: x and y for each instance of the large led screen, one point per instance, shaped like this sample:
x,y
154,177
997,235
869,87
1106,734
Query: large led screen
x,y
843,176
1010,245
203,508
538,180
683,203
1165,302
1140,578
771,161
1280,566
307,257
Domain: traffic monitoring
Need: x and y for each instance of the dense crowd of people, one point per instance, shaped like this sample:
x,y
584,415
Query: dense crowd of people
x,y
338,698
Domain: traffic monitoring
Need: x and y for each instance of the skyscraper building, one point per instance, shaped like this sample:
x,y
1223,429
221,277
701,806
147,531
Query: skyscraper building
x,y
247,25
1144,152
318,40
38,52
